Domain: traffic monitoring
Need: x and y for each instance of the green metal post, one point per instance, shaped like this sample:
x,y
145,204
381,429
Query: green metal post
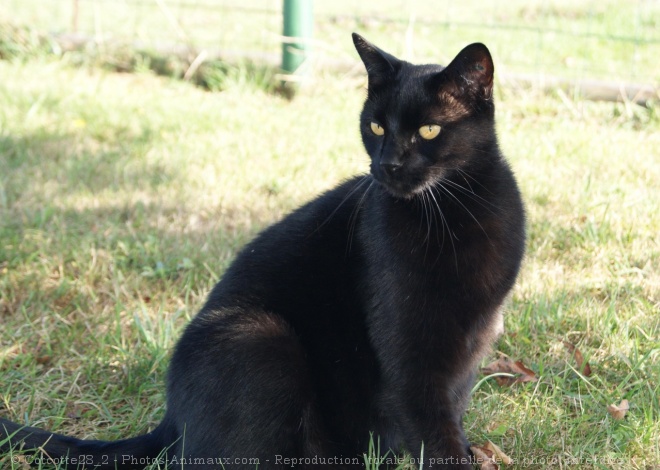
x,y
298,26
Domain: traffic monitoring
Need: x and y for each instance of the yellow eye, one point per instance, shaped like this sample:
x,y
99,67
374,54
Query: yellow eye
x,y
377,129
429,131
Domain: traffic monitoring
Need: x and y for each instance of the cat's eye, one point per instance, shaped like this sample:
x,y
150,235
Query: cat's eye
x,y
429,131
377,128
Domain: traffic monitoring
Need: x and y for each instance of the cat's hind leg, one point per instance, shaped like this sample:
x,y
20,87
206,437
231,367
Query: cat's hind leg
x,y
241,396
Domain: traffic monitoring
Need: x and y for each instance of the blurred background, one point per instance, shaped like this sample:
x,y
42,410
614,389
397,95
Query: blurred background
x,y
546,42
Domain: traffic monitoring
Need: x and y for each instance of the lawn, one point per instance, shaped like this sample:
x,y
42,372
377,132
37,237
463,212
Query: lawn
x,y
124,197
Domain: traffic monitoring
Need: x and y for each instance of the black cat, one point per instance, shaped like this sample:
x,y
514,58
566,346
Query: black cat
x,y
366,310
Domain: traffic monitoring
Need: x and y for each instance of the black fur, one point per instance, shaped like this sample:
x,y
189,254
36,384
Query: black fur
x,y
366,310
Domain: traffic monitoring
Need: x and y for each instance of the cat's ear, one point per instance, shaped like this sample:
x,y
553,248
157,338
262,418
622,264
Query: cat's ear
x,y
471,72
381,66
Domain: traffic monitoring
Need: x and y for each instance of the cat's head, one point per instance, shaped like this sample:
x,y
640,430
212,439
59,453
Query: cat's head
x,y
420,123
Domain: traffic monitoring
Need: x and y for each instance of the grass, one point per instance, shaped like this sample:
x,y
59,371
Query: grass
x,y
123,198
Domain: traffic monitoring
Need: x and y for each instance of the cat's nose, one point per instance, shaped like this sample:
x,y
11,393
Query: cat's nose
x,y
390,168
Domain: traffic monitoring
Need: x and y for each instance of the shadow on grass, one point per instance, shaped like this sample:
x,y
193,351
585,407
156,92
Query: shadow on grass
x,y
125,224
125,208
97,294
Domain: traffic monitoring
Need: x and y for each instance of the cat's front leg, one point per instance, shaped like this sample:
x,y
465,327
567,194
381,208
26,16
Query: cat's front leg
x,y
443,447
428,411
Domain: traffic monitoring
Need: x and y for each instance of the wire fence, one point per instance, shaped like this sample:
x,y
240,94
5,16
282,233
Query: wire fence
x,y
616,41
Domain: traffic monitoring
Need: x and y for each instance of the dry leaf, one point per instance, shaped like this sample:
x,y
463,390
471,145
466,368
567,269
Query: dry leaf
x,y
498,453
43,360
484,458
619,411
583,366
505,365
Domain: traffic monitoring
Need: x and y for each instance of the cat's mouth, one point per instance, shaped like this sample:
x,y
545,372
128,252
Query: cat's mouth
x,y
400,187
400,191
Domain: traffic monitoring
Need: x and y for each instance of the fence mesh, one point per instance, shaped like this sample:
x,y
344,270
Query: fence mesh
x,y
572,39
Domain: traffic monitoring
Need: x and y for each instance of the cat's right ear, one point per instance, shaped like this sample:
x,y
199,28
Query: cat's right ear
x,y
381,66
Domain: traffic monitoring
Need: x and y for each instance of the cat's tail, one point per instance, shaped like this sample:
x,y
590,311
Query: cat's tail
x,y
39,447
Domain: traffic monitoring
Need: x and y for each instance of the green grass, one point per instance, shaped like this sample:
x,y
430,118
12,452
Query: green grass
x,y
123,198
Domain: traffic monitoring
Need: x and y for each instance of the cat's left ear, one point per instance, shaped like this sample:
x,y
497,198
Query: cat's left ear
x,y
381,66
471,72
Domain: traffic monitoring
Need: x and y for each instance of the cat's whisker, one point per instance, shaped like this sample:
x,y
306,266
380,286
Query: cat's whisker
x,y
465,174
428,210
450,194
461,173
468,192
478,173
352,221
426,216
472,195
444,224
430,215
437,226
363,179
419,199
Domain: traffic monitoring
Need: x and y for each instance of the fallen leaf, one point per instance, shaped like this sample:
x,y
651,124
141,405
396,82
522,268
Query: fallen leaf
x,y
505,365
484,458
498,453
619,411
583,366
43,360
